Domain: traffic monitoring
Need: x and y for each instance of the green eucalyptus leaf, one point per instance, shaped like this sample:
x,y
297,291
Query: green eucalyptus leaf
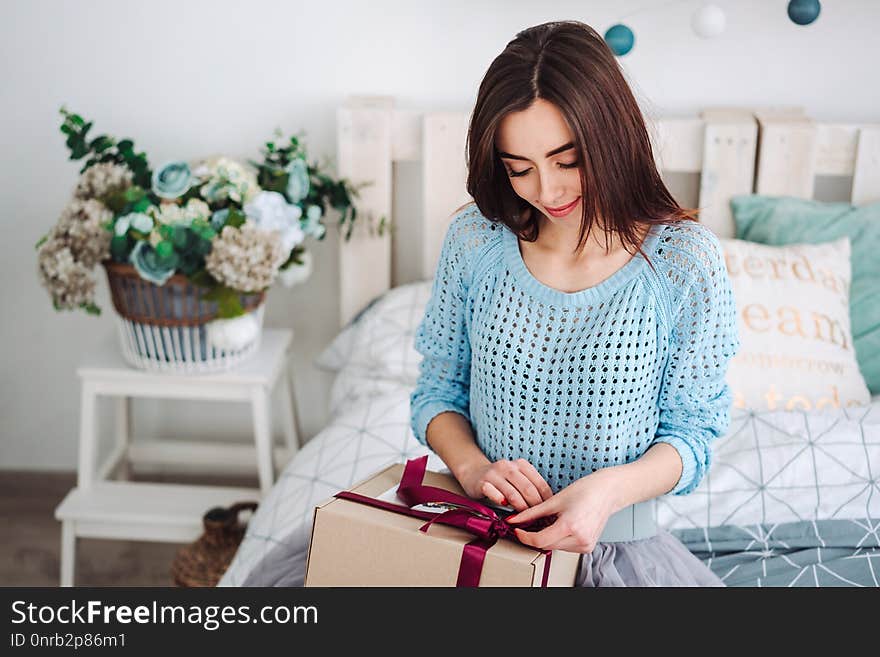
x,y
181,236
229,307
228,303
164,249
141,206
236,218
90,308
102,143
116,201
134,194
203,247
187,265
119,247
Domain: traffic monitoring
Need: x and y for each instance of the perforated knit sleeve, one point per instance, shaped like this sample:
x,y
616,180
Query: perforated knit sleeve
x,y
442,338
694,396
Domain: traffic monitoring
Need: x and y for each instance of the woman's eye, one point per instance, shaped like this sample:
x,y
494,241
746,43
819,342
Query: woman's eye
x,y
516,174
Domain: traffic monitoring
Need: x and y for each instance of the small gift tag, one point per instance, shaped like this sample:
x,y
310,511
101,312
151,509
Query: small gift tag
x,y
390,495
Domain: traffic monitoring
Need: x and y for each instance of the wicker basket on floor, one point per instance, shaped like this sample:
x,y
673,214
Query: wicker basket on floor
x,y
203,562
163,328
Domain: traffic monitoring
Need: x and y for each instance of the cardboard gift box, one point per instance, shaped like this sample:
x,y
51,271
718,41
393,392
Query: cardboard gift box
x,y
356,544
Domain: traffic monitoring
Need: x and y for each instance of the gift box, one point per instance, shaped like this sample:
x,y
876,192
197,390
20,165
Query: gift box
x,y
407,527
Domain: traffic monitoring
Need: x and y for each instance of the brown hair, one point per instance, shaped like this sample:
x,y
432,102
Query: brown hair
x,y
568,64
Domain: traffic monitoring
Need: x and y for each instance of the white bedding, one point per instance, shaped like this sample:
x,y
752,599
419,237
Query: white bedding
x,y
770,467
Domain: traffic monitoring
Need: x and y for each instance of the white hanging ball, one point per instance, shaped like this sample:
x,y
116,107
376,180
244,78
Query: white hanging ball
x,y
708,21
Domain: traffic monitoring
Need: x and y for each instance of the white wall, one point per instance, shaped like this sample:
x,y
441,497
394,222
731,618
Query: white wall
x,y
195,77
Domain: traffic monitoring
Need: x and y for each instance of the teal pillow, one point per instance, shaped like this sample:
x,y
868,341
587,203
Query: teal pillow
x,y
782,220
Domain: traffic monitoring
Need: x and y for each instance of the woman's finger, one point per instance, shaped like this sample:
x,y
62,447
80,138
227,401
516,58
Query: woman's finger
x,y
508,490
533,513
567,544
526,488
492,493
535,477
548,536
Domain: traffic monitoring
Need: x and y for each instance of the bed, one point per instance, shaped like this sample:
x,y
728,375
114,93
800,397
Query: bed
x,y
793,495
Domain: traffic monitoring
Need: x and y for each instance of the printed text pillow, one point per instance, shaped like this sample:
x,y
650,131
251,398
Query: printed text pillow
x,y
793,317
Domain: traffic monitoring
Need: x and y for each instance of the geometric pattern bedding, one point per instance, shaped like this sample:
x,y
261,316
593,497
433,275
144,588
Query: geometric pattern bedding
x,y
804,553
786,466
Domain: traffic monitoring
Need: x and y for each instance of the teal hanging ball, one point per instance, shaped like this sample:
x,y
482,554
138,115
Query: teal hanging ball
x,y
804,12
620,39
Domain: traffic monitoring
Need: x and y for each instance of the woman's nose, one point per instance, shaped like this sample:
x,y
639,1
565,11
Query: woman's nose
x,y
552,191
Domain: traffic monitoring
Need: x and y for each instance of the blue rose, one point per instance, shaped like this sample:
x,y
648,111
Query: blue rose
x,y
172,180
218,219
147,263
297,181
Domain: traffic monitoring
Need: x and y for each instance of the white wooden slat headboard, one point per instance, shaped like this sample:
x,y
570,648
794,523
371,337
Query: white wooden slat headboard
x,y
794,150
732,150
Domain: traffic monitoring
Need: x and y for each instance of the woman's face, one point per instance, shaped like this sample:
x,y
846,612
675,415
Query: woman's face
x,y
538,151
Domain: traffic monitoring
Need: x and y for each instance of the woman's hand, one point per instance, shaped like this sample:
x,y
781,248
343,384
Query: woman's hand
x,y
506,482
582,509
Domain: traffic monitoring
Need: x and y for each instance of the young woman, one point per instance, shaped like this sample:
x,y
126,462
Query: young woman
x,y
580,325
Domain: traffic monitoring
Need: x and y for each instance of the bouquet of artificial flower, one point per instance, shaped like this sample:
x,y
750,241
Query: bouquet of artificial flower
x,y
228,227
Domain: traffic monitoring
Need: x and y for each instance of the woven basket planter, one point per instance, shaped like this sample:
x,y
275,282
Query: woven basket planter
x,y
164,328
203,562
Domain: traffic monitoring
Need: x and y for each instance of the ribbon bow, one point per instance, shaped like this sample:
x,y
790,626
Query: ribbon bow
x,y
478,519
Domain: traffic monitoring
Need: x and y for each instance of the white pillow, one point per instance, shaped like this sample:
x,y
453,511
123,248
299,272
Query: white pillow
x,y
380,341
796,346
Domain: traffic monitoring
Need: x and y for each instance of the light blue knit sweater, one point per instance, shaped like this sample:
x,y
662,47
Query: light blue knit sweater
x,y
574,382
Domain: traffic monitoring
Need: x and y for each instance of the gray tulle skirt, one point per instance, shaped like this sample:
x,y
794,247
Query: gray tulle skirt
x,y
661,560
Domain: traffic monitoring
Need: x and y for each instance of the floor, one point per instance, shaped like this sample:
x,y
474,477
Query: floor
x,y
30,551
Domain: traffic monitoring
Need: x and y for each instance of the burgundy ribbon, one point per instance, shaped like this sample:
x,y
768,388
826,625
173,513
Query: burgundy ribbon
x,y
478,519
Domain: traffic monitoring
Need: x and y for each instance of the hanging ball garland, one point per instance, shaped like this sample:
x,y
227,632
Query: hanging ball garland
x,y
708,21
620,39
804,12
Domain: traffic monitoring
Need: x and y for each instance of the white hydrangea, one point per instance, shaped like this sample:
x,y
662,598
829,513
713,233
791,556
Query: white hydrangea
x,y
270,211
68,280
246,258
81,228
99,180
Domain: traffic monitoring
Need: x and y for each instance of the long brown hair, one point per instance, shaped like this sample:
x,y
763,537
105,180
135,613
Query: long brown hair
x,y
568,64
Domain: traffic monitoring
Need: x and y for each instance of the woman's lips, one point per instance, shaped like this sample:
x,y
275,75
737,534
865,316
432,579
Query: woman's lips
x,y
564,210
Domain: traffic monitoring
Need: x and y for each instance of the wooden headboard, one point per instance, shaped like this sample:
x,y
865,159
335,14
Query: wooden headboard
x,y
733,150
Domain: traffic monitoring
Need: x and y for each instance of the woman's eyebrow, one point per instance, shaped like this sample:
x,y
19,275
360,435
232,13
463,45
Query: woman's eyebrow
x,y
555,151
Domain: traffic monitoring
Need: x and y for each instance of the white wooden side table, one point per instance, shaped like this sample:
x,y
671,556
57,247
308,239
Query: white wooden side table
x,y
99,507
